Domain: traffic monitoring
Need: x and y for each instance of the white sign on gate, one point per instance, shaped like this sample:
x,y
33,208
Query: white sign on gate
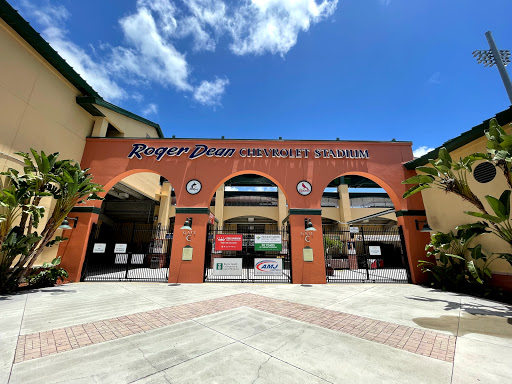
x,y
268,267
99,248
354,229
224,266
120,248
374,250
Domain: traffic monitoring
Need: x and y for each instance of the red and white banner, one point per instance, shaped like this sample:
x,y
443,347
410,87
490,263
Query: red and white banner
x,y
228,242
211,218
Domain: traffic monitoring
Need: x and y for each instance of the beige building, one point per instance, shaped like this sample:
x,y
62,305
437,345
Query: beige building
x,y
46,105
445,211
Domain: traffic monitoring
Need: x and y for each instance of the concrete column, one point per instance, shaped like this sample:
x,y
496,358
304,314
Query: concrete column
x,y
307,272
188,271
283,210
345,213
100,127
74,249
219,205
164,211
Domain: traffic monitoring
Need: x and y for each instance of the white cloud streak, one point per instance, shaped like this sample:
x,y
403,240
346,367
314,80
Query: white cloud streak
x,y
210,92
149,53
420,151
151,109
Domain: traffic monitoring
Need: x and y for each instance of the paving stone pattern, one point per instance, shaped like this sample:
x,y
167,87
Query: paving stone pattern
x,y
427,343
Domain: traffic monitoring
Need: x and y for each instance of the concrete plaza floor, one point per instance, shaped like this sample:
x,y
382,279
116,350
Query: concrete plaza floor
x,y
250,333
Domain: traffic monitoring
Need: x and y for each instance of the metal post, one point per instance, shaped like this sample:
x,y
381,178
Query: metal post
x,y
499,63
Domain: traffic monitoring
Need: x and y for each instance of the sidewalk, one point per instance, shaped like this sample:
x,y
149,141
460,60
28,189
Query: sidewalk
x,y
245,333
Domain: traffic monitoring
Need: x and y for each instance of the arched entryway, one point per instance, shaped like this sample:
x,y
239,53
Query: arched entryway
x,y
249,239
362,239
301,169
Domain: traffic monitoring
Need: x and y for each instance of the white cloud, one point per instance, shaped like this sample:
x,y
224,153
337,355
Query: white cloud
x,y
435,78
150,55
210,92
385,2
151,33
273,26
420,151
151,109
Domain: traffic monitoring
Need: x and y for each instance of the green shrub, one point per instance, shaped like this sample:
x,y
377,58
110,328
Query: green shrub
x,y
47,275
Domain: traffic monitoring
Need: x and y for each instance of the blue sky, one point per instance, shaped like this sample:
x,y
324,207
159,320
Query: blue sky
x,y
300,69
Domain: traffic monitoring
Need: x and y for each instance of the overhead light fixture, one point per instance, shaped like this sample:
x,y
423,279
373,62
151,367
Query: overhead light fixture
x,y
65,223
187,225
309,225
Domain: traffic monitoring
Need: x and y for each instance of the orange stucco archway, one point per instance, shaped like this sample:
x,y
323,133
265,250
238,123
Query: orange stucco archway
x,y
286,163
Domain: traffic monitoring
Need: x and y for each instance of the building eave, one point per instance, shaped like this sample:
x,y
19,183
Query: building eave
x,y
467,137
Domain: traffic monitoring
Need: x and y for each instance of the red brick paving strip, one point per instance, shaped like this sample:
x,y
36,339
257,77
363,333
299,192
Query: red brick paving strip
x,y
427,343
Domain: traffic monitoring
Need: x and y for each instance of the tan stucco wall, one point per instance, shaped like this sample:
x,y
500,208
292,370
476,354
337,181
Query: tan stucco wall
x,y
128,126
356,213
146,183
445,210
269,212
37,105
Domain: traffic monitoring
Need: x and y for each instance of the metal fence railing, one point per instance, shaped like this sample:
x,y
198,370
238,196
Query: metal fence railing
x,y
365,254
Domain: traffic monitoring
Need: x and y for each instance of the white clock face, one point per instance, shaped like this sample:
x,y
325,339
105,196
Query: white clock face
x,y
304,188
193,186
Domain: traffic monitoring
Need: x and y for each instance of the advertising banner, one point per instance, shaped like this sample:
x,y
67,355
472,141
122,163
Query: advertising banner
x,y
227,266
228,242
268,267
267,243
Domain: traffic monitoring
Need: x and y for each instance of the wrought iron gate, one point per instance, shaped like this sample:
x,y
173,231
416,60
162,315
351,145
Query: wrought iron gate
x,y
366,254
128,252
247,258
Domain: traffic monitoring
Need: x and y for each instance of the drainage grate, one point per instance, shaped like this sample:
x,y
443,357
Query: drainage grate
x,y
484,172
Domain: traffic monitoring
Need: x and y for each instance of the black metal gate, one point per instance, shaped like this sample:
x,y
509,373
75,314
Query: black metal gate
x,y
366,254
128,252
248,264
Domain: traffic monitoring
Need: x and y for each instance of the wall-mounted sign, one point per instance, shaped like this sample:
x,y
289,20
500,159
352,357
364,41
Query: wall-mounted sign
x,y
228,242
120,248
304,188
193,186
211,218
139,150
374,250
99,248
268,267
354,229
227,266
267,243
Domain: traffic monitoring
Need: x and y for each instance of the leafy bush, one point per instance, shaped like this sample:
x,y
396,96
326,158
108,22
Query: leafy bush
x,y
47,275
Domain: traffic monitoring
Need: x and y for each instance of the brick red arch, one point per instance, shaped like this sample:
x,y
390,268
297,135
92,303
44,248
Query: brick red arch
x,y
379,161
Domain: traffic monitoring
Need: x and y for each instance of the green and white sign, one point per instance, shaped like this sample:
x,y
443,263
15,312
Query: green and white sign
x,y
267,243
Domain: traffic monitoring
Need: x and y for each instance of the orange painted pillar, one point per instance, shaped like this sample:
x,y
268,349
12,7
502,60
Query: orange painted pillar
x,y
74,249
307,272
415,242
189,271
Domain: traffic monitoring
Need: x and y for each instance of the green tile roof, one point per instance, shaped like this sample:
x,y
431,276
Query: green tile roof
x,y
467,137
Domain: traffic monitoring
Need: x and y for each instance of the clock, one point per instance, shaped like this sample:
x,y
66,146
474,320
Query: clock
x,y
193,187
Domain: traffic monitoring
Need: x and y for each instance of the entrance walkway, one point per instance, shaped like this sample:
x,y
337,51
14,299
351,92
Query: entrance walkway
x,y
220,333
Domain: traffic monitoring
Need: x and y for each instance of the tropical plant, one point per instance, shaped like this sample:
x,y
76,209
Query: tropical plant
x,y
449,265
449,176
62,180
499,146
47,275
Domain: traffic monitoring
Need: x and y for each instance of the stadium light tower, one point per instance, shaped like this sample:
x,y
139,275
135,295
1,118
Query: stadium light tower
x,y
493,56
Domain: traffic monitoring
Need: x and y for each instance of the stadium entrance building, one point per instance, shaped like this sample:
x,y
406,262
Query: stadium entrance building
x,y
195,247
